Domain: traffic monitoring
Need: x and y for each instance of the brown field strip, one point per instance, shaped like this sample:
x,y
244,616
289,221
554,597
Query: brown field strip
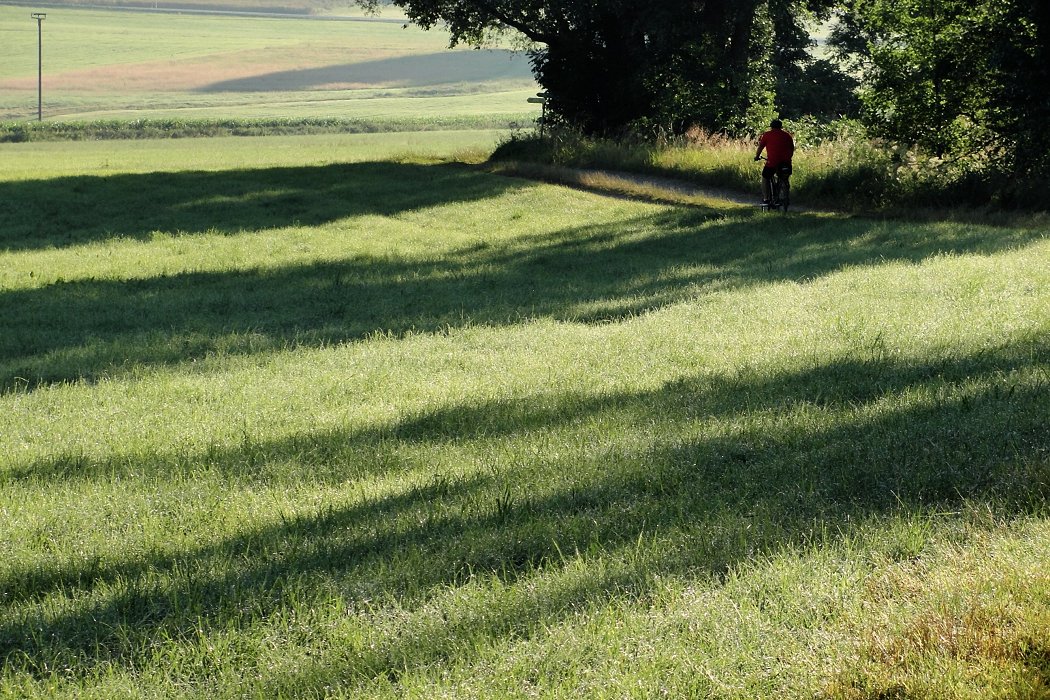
x,y
198,73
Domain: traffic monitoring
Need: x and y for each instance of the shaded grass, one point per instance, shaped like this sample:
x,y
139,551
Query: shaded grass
x,y
166,317
774,478
449,434
75,211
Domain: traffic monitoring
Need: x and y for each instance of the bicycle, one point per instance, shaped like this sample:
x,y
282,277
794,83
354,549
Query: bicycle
x,y
779,190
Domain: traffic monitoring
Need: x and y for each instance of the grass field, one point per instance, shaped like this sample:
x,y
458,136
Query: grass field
x,y
114,64
310,417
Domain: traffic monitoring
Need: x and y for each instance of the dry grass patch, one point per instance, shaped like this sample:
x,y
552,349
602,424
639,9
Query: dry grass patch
x,y
200,72
977,625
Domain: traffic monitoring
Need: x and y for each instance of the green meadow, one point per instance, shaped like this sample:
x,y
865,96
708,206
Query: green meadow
x,y
111,64
349,416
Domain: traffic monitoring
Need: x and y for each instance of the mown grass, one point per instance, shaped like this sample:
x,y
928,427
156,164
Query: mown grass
x,y
83,159
351,428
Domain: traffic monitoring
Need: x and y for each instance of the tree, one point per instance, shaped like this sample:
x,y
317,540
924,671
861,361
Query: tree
x,y
963,79
618,64
710,69
807,85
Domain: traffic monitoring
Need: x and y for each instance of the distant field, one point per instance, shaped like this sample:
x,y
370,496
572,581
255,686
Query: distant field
x,y
119,64
337,8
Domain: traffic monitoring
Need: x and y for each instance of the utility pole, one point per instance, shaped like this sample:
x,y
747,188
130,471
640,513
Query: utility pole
x,y
39,17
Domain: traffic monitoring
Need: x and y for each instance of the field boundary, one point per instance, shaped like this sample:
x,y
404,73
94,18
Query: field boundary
x,y
141,129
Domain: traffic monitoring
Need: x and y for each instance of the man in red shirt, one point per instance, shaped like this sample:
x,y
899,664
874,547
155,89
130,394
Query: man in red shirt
x,y
779,147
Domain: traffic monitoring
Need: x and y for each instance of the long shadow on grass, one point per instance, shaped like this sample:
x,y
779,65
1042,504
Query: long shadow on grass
x,y
70,211
400,71
87,328
890,436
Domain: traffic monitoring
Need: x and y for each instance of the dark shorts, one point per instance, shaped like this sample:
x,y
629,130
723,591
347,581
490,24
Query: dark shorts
x,y
784,169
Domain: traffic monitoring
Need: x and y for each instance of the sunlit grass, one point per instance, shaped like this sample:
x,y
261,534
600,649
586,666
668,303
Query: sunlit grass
x,y
356,429
49,160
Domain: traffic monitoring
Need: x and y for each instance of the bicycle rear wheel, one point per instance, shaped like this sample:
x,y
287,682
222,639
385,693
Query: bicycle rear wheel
x,y
776,202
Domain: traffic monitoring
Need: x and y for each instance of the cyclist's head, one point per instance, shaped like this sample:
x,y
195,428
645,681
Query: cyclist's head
x,y
776,124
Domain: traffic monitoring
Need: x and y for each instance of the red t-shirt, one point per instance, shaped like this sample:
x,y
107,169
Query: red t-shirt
x,y
779,147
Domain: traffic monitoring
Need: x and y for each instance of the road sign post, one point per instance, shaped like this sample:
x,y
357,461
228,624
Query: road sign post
x,y
541,99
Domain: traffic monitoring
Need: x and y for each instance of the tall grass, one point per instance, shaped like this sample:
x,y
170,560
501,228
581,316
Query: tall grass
x,y
836,168
135,129
354,428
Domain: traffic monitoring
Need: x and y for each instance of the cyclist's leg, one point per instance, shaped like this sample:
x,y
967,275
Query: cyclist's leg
x,y
767,188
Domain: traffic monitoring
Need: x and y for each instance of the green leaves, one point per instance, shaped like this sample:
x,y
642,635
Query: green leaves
x,y
962,80
636,65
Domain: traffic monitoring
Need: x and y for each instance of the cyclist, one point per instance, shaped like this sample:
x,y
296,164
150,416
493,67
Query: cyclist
x,y
779,147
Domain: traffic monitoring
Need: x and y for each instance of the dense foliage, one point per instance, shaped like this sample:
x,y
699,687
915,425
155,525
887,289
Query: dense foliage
x,y
963,79
960,80
623,64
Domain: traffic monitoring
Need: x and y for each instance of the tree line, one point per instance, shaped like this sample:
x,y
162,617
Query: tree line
x,y
960,79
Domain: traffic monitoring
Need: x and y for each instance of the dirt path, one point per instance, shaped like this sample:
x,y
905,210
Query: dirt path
x,y
681,188
618,183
